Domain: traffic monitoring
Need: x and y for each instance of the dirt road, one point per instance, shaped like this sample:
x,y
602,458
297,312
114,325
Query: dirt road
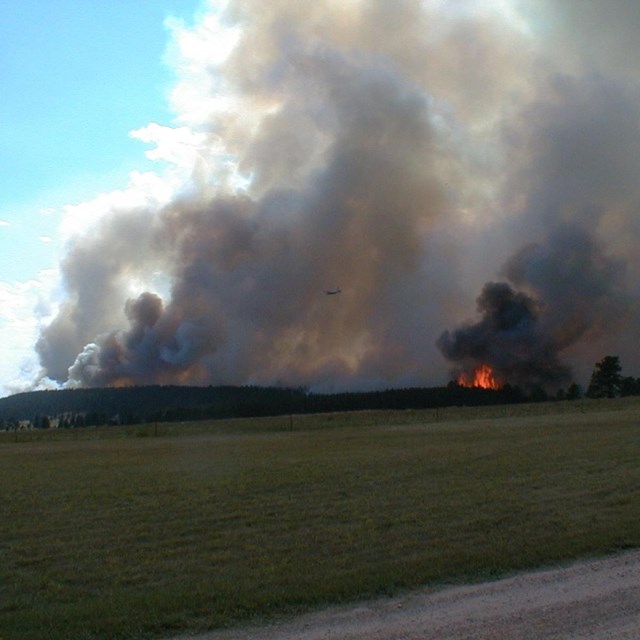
x,y
588,600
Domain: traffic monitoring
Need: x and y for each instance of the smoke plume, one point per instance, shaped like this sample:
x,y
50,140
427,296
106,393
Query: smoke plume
x,y
405,152
521,337
509,338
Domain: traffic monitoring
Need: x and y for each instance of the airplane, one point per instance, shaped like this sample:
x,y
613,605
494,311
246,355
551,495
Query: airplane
x,y
333,292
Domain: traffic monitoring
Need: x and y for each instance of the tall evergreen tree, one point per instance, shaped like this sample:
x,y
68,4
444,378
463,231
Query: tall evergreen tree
x,y
605,379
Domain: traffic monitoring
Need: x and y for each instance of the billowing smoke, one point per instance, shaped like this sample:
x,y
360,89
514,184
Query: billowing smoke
x,y
521,336
509,338
401,151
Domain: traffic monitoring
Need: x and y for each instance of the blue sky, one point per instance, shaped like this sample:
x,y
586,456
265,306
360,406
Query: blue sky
x,y
77,77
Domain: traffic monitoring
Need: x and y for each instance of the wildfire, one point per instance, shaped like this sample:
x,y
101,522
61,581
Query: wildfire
x,y
482,377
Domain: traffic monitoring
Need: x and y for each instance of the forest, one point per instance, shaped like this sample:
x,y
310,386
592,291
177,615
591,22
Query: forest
x,y
136,405
83,407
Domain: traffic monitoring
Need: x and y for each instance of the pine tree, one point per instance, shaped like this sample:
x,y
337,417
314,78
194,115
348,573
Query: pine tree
x,y
605,379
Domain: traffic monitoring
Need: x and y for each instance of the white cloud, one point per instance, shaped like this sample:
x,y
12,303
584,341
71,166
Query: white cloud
x,y
23,309
179,146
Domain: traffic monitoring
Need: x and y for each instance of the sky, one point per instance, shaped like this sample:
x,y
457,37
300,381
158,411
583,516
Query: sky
x,y
78,76
183,180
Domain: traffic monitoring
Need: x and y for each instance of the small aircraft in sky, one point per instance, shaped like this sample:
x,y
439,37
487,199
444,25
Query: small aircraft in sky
x,y
333,292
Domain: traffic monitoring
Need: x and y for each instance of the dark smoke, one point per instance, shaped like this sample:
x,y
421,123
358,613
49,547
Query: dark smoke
x,y
510,338
522,337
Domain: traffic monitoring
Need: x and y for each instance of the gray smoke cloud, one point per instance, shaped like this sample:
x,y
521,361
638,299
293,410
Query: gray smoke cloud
x,y
406,152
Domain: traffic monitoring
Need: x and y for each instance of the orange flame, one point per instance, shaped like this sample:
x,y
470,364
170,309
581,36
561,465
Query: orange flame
x,y
481,377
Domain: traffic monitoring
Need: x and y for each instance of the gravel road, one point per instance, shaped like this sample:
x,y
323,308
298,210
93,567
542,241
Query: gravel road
x,y
588,600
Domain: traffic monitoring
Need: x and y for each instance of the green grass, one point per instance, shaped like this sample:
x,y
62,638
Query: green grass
x,y
104,534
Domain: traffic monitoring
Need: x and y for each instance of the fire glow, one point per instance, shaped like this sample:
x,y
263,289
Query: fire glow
x,y
481,377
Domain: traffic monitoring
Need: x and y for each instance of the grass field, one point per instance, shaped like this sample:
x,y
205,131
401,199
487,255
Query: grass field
x,y
121,533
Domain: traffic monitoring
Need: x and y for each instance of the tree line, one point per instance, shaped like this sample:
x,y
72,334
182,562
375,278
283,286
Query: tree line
x,y
73,408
